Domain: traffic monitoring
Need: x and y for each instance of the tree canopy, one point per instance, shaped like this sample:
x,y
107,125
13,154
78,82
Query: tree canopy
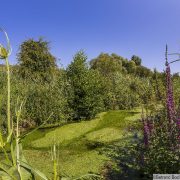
x,y
35,60
136,59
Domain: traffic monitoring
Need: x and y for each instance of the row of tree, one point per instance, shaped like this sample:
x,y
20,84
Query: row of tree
x,y
82,89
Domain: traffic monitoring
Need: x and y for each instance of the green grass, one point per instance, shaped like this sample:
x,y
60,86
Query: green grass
x,y
80,143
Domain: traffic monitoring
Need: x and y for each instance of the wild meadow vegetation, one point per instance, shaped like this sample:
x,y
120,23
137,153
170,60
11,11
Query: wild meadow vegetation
x,y
106,118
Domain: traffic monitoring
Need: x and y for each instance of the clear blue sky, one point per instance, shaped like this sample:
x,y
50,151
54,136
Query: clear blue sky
x,y
125,27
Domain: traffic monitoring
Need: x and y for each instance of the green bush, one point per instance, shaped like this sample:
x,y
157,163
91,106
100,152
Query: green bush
x,y
42,99
87,95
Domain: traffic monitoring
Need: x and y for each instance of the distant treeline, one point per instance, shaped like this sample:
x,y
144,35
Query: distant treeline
x,y
81,90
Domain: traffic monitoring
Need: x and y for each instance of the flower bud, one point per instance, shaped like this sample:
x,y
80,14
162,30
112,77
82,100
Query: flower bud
x,y
3,52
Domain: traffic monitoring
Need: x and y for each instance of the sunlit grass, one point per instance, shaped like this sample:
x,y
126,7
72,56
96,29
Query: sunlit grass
x,y
80,143
66,134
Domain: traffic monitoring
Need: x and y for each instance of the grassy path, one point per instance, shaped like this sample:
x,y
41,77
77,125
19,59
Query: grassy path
x,y
80,143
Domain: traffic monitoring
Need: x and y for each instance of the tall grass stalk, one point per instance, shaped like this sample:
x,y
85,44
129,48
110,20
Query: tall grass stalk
x,y
10,125
4,54
55,159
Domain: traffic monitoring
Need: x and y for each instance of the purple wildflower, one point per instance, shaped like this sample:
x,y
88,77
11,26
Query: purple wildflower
x,y
169,95
146,132
145,129
178,123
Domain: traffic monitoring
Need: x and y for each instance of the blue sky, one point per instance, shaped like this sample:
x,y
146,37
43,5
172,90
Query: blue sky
x,y
125,27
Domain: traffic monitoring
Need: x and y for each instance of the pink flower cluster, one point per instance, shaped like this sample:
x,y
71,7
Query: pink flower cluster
x,y
169,96
171,112
147,129
146,133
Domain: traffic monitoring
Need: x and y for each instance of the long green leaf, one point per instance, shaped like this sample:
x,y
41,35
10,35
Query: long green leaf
x,y
6,171
35,171
9,136
27,134
1,140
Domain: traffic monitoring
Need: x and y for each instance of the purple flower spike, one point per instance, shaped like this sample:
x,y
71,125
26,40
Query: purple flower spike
x,y
178,123
146,132
169,95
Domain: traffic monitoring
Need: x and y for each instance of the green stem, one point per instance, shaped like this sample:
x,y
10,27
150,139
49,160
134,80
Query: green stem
x,y
10,124
8,99
55,170
17,145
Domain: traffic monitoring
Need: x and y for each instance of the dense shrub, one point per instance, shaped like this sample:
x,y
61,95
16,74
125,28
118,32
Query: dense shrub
x,y
126,97
41,99
136,59
107,64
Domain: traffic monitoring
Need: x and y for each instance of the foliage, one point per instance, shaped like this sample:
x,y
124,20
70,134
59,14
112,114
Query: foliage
x,y
131,67
106,64
136,59
35,60
142,71
44,99
176,87
125,160
87,86
127,83
161,154
123,96
41,100
158,84
109,83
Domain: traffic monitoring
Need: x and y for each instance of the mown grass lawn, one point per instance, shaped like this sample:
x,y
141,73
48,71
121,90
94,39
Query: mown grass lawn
x,y
80,143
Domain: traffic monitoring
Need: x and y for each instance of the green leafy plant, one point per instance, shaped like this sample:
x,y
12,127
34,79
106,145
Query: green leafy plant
x,y
14,166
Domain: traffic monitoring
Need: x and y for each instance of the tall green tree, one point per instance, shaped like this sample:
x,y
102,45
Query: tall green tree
x,y
87,84
107,64
136,59
35,60
131,67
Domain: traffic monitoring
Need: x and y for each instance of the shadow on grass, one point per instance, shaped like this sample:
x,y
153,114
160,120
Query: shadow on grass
x,y
125,160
